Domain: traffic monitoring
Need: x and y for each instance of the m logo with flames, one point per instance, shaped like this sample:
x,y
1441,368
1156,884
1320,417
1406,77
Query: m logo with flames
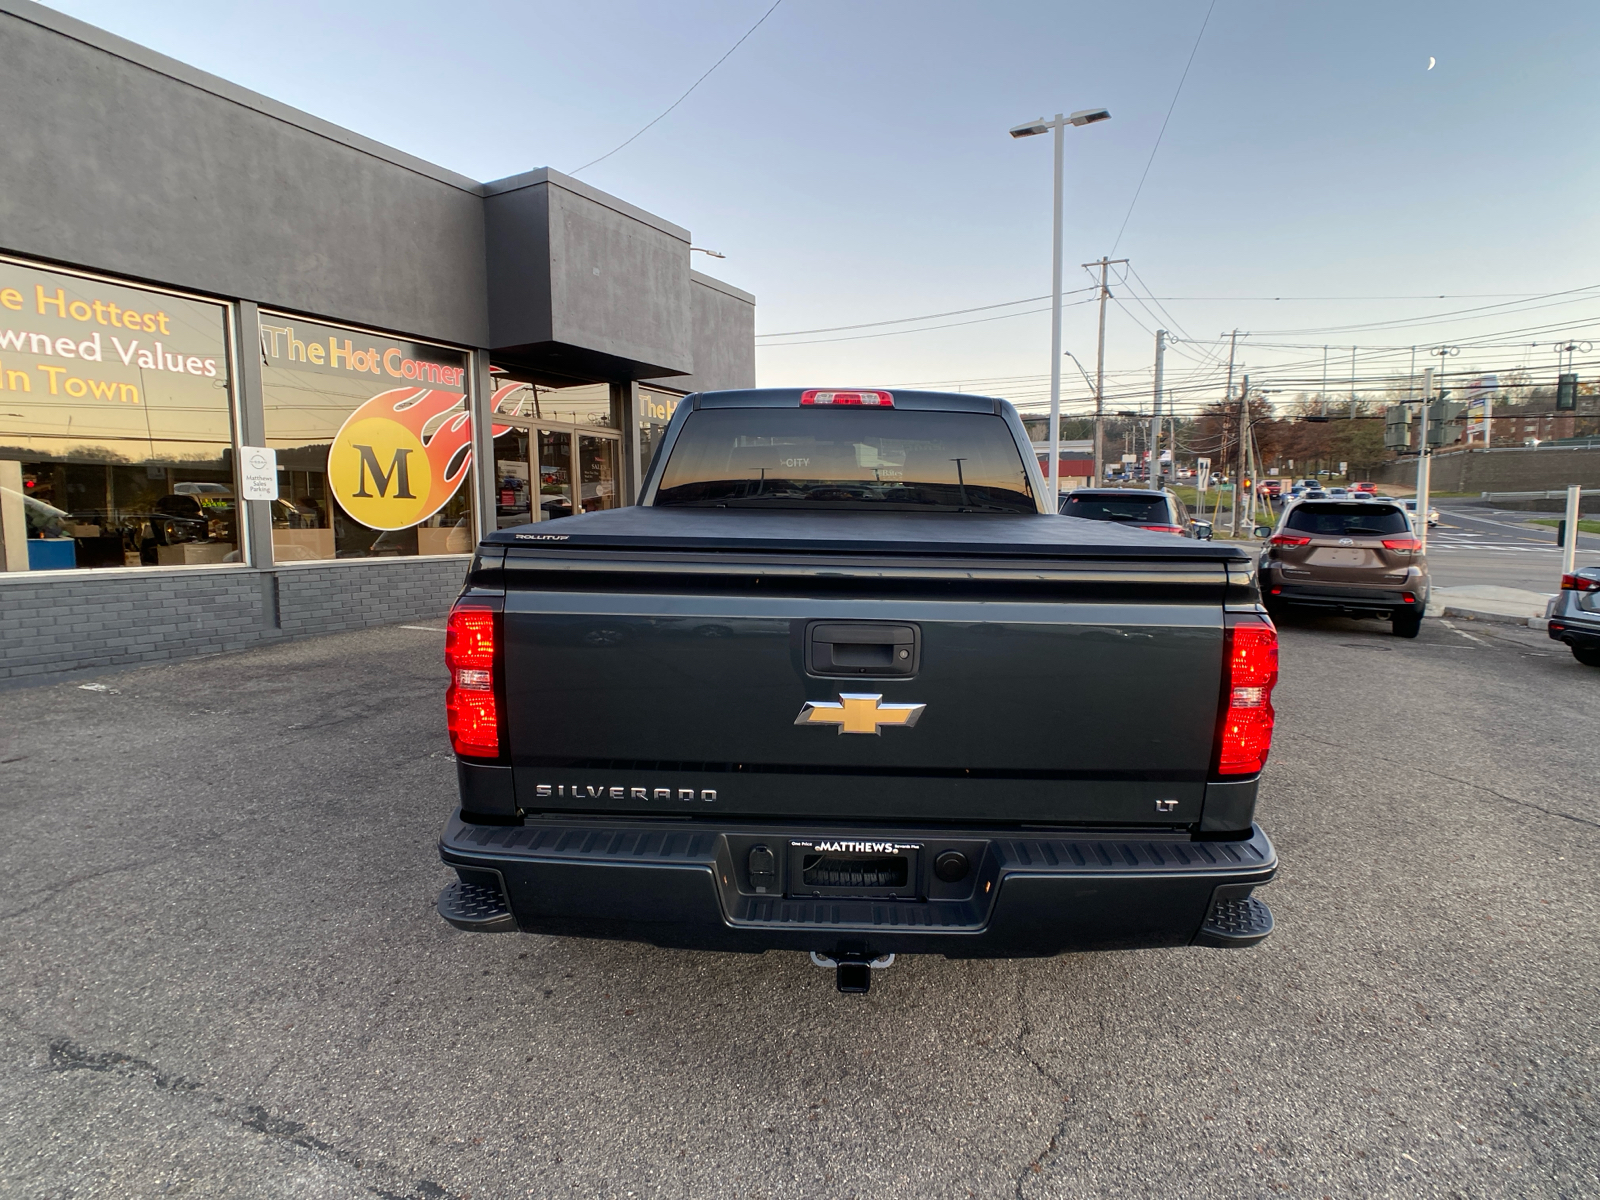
x,y
399,458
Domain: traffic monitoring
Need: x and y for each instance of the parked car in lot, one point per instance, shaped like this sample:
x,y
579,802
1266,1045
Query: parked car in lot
x,y
1361,558
1574,614
1140,508
1410,506
1337,493
1370,489
832,684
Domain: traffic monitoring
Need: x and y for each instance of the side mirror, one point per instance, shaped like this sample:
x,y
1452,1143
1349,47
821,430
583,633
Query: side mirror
x,y
1201,530
1263,531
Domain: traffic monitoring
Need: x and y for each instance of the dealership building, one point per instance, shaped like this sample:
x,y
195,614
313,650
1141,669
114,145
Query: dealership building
x,y
207,296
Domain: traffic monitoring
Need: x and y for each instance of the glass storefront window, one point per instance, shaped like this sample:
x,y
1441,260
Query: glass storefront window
x,y
539,433
513,503
116,434
597,472
555,474
374,442
586,405
655,410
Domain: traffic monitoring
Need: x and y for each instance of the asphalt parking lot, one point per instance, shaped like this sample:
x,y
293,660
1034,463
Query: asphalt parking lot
x,y
222,975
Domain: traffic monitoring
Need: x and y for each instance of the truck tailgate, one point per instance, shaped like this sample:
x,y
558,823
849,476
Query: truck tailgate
x,y
670,684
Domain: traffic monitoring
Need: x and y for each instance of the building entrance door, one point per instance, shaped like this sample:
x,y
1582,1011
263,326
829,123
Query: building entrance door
x,y
597,471
562,455
535,479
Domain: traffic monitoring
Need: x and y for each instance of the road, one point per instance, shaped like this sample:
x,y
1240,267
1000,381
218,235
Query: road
x,y
1476,544
222,975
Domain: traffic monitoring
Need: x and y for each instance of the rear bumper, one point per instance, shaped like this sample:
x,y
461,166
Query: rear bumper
x,y
1347,598
686,885
1574,626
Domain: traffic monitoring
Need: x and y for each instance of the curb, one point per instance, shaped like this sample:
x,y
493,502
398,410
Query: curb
x,y
1492,618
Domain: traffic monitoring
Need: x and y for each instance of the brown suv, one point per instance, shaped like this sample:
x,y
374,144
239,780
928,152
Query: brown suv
x,y
1360,558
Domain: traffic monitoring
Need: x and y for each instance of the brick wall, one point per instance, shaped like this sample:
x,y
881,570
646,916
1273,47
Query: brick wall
x,y
60,623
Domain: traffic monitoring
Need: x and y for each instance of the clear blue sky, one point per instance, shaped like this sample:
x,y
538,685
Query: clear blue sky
x,y
851,158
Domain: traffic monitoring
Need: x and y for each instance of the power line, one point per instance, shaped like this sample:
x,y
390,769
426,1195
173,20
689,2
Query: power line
x,y
685,95
1149,295
921,329
1163,132
955,312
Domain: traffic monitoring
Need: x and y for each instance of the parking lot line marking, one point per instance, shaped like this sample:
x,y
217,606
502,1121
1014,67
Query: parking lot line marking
x,y
424,628
1470,637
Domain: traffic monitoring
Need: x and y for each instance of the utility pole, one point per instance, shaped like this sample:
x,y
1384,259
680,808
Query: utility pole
x,y
1352,383
1422,460
1239,463
1323,394
1155,414
1100,370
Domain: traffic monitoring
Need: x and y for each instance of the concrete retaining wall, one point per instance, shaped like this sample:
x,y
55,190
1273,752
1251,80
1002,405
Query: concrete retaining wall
x,y
1509,470
56,624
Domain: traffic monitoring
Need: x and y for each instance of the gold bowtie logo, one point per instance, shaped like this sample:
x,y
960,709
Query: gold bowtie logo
x,y
858,712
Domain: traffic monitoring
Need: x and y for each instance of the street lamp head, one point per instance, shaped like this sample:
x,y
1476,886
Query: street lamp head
x,y
1088,116
1029,129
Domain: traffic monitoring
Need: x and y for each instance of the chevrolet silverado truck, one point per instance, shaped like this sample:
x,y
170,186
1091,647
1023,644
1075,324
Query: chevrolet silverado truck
x,y
843,683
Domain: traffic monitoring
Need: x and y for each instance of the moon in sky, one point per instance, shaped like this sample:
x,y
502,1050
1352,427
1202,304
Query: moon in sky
x,y
1431,61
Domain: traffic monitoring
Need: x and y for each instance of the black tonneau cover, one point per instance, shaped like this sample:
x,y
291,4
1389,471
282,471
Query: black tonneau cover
x,y
860,532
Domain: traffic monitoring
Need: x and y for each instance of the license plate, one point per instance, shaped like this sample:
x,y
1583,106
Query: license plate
x,y
1340,558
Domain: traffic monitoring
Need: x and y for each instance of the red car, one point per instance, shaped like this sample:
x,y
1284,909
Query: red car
x,y
1370,489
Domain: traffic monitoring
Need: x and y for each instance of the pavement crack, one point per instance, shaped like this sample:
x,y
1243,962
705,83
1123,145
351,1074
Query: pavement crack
x,y
49,892
67,1055
1416,766
1035,1165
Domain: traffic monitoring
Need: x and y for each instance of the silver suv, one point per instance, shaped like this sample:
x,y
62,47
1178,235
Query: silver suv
x,y
1574,615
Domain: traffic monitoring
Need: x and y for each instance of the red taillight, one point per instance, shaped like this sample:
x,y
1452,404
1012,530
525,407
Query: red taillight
x,y
1178,529
1579,583
1252,648
1284,539
471,707
857,399
1403,545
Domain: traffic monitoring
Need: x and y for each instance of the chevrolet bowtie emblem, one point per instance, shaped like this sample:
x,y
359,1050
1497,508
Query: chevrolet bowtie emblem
x,y
858,712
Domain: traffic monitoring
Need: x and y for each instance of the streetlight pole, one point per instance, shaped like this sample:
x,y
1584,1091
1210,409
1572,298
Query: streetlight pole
x,y
1155,415
1087,116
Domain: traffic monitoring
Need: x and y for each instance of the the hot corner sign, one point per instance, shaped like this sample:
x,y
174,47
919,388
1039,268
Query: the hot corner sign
x,y
401,454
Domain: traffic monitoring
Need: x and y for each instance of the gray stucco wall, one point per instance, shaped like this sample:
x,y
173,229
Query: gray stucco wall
x,y
571,266
724,337
57,625
118,158
122,160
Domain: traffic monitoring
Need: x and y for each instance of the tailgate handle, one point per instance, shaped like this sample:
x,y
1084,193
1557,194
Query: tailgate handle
x,y
862,648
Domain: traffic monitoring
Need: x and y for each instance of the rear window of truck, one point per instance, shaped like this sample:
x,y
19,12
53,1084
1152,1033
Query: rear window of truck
x,y
846,458
1116,508
1359,518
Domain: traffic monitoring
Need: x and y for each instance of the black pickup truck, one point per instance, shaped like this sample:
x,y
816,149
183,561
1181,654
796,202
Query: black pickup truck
x,y
841,683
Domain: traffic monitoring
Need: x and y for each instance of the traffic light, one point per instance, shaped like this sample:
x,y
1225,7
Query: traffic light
x,y
1567,392
1444,421
1397,427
